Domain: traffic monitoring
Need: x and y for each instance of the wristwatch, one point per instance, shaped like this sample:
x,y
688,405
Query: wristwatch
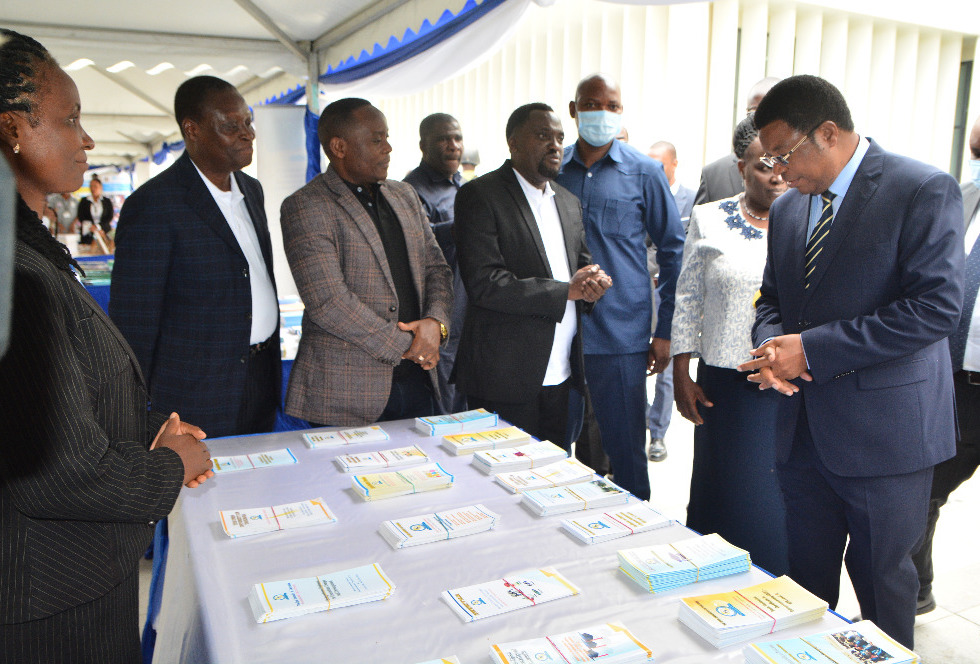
x,y
443,333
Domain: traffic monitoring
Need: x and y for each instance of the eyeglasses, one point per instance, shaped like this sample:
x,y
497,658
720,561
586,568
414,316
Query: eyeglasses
x,y
783,159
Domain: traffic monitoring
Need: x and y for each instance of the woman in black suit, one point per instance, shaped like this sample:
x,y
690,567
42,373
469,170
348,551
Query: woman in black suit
x,y
95,209
81,483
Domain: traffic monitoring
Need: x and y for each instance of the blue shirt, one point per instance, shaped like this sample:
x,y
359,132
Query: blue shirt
x,y
625,197
437,191
839,186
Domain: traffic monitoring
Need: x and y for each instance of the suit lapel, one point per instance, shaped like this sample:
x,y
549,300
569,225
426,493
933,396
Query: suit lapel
x,y
566,214
345,199
516,193
858,195
199,199
257,215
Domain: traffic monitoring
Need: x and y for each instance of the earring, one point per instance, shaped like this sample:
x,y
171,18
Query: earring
x,y
17,149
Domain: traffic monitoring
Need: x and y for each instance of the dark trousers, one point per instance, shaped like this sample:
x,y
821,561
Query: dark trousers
x,y
411,394
545,417
584,432
618,387
951,473
884,517
105,630
260,399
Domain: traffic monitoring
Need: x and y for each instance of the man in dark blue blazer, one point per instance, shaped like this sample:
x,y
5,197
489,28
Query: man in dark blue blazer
x,y
863,283
192,285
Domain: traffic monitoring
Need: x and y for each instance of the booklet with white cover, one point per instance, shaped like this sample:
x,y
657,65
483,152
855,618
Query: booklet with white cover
x,y
610,643
566,471
277,600
396,458
427,528
629,520
259,520
517,591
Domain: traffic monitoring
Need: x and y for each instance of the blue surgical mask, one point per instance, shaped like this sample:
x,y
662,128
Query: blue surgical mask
x,y
975,172
597,128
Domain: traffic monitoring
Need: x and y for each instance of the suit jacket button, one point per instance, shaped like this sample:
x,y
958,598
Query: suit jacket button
x,y
244,359
245,272
392,308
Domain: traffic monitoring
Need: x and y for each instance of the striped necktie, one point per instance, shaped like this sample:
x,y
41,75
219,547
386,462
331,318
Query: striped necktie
x,y
814,244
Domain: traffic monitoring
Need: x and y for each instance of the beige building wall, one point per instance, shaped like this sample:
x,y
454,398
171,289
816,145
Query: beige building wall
x,y
685,70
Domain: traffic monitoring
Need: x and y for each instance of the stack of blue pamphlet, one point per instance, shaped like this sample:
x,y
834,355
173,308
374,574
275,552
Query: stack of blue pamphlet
x,y
667,566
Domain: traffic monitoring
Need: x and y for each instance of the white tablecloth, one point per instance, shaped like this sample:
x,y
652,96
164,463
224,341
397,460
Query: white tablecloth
x,y
205,616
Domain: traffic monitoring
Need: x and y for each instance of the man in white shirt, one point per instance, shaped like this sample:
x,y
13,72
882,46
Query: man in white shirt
x,y
192,285
964,349
522,254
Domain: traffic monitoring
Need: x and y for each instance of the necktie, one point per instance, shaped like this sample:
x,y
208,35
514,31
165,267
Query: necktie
x,y
813,245
957,341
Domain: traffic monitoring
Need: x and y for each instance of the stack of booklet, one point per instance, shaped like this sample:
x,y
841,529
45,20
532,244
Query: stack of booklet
x,y
636,518
560,473
464,443
726,618
401,533
335,438
533,455
376,486
287,599
518,591
442,425
859,643
668,566
402,456
255,521
230,464
598,492
610,643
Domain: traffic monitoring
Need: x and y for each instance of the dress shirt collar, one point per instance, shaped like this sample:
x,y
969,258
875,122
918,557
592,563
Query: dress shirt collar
x,y
615,153
437,178
233,196
674,188
533,193
846,176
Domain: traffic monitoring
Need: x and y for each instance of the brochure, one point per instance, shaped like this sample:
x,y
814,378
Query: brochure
x,y
517,591
428,528
286,599
667,566
566,471
610,643
376,486
464,443
230,464
598,492
629,520
402,456
533,455
259,520
860,643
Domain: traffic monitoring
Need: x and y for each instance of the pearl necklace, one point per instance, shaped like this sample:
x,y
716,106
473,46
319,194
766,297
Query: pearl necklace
x,y
741,199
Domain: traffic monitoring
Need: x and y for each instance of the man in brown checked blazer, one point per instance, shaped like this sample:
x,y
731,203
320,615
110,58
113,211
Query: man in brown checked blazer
x,y
377,290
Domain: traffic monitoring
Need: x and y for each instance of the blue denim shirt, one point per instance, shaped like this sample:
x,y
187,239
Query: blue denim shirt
x,y
625,197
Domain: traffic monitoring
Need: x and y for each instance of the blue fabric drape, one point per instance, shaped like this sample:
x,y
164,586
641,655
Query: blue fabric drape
x,y
312,145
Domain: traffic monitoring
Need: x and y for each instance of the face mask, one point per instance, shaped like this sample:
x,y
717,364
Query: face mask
x,y
975,170
598,128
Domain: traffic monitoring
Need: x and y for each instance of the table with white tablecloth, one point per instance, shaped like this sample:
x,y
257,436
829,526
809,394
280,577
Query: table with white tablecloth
x,y
205,616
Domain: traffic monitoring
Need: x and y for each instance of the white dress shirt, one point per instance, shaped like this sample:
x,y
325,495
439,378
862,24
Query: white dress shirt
x,y
545,213
265,307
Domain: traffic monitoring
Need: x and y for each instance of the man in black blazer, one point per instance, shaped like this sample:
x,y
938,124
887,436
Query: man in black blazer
x,y
192,286
863,283
521,250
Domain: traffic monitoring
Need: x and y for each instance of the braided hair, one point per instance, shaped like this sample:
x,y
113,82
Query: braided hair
x,y
22,67
745,133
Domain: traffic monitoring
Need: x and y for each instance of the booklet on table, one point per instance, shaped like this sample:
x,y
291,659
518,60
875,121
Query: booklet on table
x,y
259,520
598,492
532,455
722,619
566,471
667,566
278,600
428,528
860,643
376,486
230,464
396,458
517,591
610,643
470,420
629,520
464,443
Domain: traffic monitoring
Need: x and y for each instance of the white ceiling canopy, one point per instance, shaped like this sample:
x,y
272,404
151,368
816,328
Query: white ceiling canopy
x,y
129,57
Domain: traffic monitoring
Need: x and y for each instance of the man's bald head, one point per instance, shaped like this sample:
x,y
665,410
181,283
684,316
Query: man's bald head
x,y
594,81
666,154
758,91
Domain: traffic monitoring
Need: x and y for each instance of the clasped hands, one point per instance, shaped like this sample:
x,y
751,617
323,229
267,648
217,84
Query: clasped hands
x,y
427,335
589,283
187,441
780,360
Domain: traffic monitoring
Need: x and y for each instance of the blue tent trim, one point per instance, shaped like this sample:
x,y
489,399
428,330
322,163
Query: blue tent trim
x,y
411,44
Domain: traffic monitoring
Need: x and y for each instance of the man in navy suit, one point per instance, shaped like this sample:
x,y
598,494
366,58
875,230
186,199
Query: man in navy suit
x,y
192,285
863,284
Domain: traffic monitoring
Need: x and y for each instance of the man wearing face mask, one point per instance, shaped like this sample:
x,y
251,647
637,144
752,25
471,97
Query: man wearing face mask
x,y
625,198
964,350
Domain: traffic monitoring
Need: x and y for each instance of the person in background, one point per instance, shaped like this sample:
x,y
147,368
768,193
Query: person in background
x,y
86,468
66,210
964,348
193,286
721,179
377,289
527,270
96,208
436,180
625,198
863,285
469,162
658,415
734,491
